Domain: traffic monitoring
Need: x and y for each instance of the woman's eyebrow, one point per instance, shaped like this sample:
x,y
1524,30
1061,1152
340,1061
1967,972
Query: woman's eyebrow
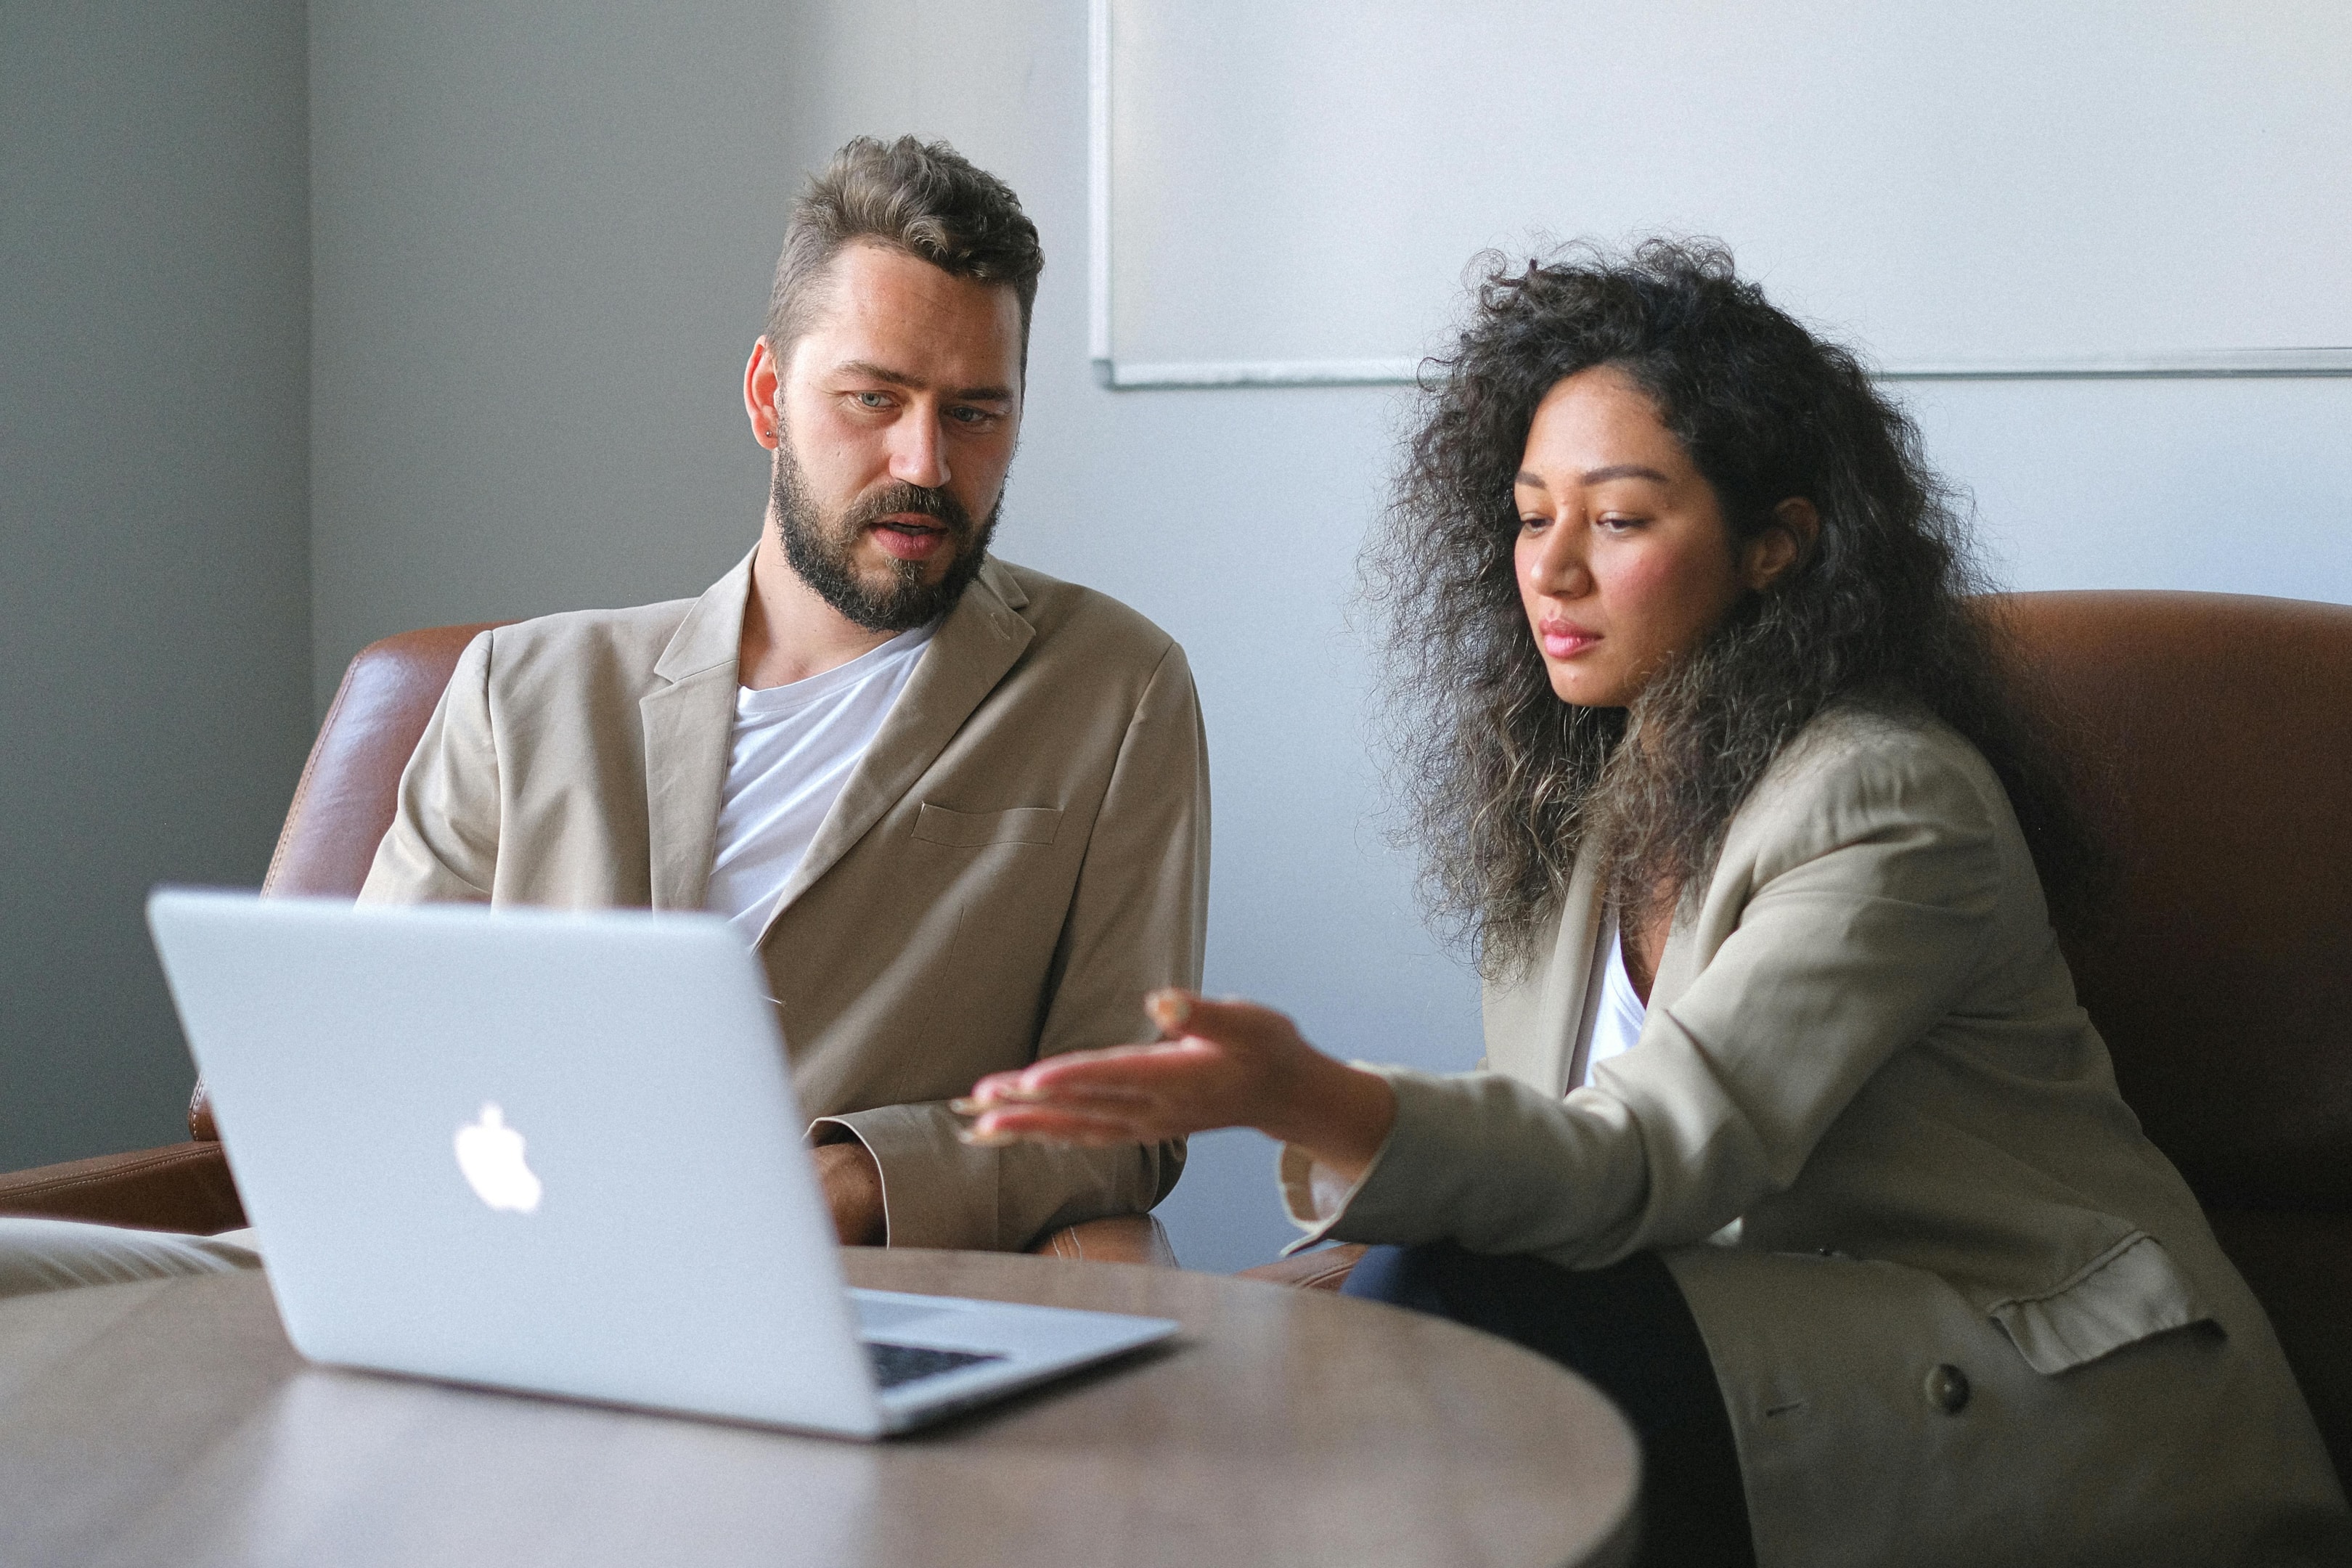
x,y
1526,480
1623,471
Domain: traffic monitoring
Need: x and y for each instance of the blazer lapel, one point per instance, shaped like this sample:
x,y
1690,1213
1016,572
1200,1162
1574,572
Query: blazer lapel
x,y
1531,1024
688,721
978,643
1678,965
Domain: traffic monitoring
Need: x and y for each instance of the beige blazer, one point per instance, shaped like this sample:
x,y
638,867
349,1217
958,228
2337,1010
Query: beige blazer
x,y
1020,856
1875,1140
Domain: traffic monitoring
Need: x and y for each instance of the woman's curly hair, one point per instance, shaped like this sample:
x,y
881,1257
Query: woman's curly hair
x,y
1504,783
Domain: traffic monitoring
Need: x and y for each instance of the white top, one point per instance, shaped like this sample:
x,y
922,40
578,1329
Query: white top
x,y
1617,1021
791,751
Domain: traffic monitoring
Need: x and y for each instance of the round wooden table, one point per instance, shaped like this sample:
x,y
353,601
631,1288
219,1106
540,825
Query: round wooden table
x,y
170,1423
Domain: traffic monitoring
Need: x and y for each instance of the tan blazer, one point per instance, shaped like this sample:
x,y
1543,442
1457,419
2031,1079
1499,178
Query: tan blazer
x,y
1021,854
1876,1139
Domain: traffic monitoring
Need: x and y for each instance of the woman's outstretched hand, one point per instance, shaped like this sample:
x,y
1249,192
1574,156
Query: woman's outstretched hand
x,y
1222,1064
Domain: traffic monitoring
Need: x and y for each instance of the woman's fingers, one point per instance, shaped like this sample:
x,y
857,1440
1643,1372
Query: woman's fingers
x,y
1057,1125
1224,1064
1133,1070
1110,1086
1229,1022
1025,1084
1122,1072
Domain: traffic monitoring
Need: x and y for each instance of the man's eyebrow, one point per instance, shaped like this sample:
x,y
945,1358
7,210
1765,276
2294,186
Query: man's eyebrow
x,y
889,377
883,373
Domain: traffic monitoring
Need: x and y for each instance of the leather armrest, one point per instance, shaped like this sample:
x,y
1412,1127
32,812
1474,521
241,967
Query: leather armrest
x,y
180,1186
1325,1268
1115,1238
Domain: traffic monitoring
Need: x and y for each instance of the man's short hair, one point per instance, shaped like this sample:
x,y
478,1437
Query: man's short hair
x,y
928,202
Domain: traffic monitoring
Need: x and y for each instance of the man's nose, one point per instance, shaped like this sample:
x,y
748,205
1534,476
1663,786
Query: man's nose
x,y
918,455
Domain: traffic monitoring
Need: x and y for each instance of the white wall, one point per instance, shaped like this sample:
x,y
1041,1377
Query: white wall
x,y
543,235
2005,181
2230,486
154,627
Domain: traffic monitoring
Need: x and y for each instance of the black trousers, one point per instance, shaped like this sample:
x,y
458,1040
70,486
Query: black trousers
x,y
1627,1330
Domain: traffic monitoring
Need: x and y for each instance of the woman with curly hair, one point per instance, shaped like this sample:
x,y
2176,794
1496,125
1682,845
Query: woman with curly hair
x,y
1789,1132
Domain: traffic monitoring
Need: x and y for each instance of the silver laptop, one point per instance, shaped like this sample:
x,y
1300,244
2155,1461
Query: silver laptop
x,y
560,1153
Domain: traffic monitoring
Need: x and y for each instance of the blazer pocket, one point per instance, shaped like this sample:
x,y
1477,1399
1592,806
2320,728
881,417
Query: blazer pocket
x,y
2123,1296
972,829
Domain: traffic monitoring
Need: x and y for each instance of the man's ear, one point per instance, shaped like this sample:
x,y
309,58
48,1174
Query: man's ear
x,y
761,378
1788,538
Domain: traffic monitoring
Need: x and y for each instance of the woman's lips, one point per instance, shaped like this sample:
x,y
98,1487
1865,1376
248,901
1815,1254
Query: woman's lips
x,y
910,538
1560,640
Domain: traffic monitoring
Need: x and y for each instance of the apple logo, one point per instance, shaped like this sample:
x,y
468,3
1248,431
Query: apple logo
x,y
491,1155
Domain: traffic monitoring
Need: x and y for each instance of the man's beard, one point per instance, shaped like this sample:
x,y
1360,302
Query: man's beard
x,y
823,552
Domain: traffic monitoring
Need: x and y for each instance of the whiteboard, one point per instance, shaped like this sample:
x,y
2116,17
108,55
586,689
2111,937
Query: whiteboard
x,y
1289,190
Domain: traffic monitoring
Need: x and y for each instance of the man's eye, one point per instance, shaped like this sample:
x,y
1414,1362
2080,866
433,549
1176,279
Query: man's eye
x,y
966,414
872,399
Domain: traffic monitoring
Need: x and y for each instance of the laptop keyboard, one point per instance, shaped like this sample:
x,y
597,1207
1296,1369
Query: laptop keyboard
x,y
895,1365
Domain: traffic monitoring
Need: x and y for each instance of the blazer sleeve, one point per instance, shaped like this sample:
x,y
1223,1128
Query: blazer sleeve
x,y
1137,921
1871,893
443,844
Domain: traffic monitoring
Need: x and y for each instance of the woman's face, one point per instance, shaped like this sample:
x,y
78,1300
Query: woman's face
x,y
1623,560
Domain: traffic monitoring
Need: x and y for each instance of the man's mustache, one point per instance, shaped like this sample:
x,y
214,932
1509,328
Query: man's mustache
x,y
896,498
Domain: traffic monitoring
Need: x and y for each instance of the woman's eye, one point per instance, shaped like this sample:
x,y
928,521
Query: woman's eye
x,y
1614,523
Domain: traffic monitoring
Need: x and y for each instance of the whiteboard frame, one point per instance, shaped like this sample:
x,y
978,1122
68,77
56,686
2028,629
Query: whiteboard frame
x,y
2184,365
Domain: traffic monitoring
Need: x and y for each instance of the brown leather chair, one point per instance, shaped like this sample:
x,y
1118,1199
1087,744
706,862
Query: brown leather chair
x,y
342,807
2221,727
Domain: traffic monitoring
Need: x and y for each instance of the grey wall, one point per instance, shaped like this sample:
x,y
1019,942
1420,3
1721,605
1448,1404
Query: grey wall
x,y
540,236
155,617
543,235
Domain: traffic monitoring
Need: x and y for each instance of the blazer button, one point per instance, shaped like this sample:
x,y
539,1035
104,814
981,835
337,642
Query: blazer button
x,y
1948,1389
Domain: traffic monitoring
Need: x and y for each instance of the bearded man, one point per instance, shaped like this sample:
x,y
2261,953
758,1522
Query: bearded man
x,y
959,809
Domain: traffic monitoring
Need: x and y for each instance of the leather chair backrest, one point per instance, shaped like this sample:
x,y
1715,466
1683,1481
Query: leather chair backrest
x,y
2221,724
351,785
2223,977
346,798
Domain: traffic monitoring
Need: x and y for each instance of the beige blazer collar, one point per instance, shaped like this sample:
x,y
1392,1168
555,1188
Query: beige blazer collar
x,y
688,723
980,640
1678,965
1532,1024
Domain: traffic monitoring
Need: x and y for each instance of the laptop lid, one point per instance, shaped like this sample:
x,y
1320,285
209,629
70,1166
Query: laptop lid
x,y
548,1151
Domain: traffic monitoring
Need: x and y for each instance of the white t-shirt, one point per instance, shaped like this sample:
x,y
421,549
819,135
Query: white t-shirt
x,y
791,751
1617,1021
1614,1010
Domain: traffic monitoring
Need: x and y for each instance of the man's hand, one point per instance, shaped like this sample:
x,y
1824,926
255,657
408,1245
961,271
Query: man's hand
x,y
853,1190
1224,1064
